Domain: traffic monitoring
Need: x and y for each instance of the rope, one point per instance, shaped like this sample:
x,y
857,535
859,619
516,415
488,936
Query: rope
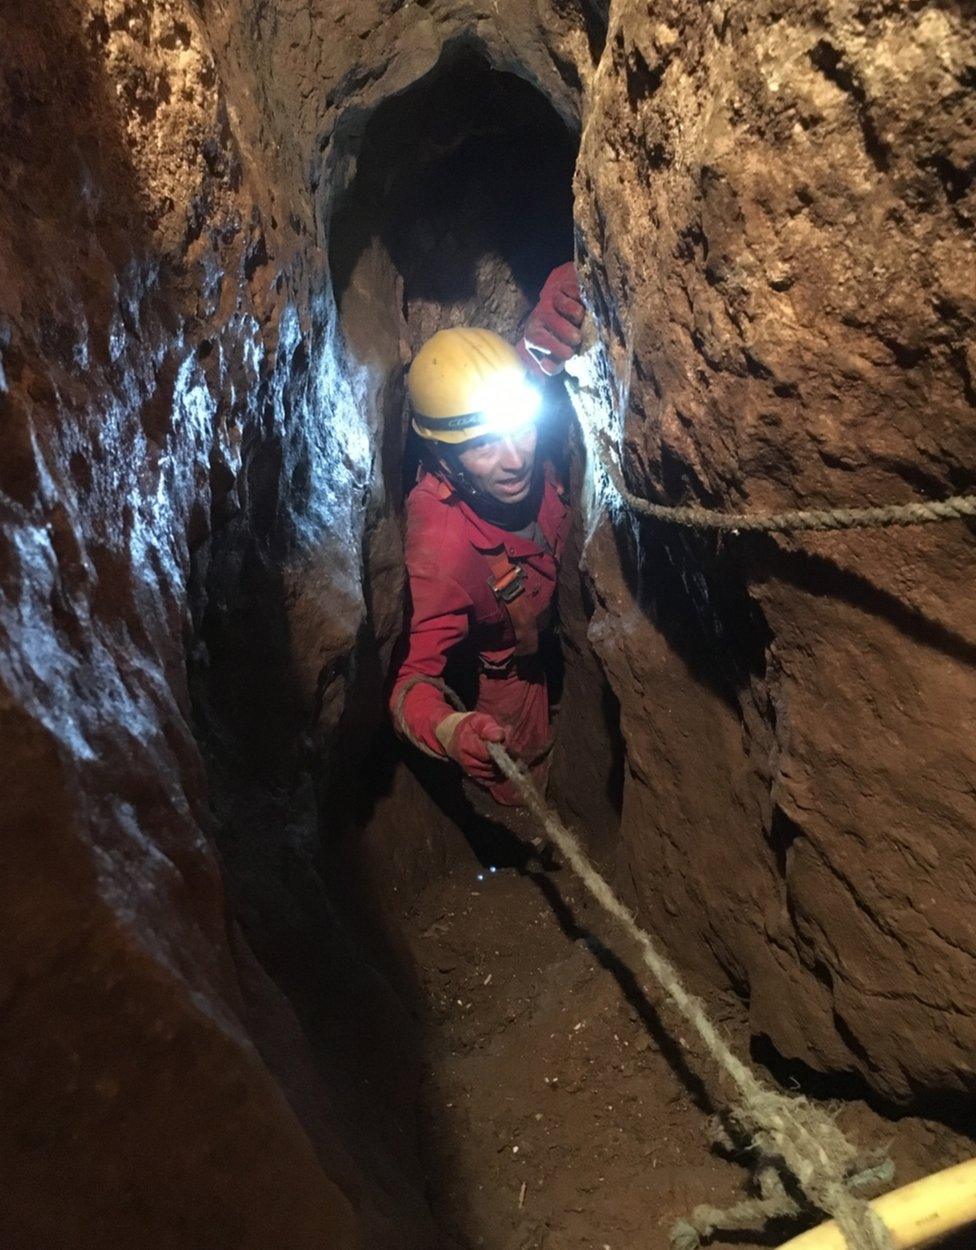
x,y
790,1128
955,508
774,1203
753,1213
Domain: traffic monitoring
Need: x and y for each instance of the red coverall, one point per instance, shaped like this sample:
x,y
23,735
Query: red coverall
x,y
452,601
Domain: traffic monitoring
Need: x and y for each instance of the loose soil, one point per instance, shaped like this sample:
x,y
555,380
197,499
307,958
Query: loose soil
x,y
557,1113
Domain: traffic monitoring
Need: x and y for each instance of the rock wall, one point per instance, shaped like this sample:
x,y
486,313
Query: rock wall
x,y
200,578
777,208
155,386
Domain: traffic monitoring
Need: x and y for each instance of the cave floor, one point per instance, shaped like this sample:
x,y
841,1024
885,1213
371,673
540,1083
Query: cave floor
x,y
556,1112
551,1116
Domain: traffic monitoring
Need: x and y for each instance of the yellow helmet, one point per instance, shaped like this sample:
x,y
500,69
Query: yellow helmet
x,y
468,382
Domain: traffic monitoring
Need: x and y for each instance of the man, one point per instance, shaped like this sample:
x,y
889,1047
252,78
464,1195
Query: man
x,y
486,525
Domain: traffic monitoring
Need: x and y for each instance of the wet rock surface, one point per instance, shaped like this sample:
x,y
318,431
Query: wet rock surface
x,y
152,394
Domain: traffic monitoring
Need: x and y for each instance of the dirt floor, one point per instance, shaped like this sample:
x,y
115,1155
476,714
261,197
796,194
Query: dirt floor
x,y
556,1112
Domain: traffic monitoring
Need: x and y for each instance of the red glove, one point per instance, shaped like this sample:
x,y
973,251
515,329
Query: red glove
x,y
552,332
468,745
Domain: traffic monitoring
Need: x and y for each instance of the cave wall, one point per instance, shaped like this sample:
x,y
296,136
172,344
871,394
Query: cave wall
x,y
777,206
200,578
147,350
145,371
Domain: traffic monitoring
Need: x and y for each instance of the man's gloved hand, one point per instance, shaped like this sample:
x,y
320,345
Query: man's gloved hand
x,y
465,737
552,332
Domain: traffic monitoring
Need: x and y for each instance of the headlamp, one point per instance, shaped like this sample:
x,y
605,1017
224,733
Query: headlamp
x,y
507,403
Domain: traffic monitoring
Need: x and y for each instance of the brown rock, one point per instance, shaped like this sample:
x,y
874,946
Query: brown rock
x,y
778,213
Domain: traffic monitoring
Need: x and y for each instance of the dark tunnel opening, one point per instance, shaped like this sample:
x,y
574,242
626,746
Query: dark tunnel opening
x,y
460,206
468,165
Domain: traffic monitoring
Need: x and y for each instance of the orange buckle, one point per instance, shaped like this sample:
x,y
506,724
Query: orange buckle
x,y
510,585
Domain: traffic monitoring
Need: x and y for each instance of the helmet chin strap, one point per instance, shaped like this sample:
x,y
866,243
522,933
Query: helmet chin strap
x,y
508,516
450,465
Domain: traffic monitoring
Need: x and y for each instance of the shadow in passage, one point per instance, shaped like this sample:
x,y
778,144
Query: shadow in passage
x,y
467,164
631,990
349,1082
698,599
944,1106
817,574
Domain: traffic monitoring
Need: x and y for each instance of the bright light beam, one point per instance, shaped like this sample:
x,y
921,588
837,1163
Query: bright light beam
x,y
508,403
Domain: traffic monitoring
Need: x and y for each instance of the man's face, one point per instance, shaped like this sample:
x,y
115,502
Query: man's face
x,y
501,465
